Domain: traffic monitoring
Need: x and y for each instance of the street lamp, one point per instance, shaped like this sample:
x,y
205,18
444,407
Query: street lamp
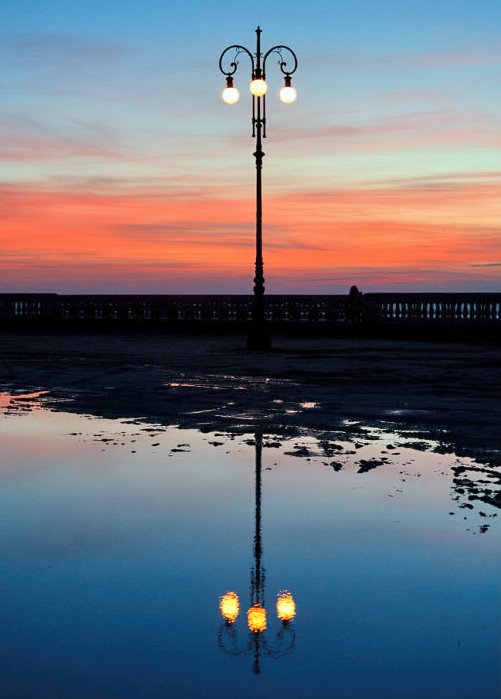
x,y
259,338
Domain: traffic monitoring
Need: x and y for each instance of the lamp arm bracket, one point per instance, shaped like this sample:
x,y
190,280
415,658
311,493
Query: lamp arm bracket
x,y
282,62
234,63
283,644
227,641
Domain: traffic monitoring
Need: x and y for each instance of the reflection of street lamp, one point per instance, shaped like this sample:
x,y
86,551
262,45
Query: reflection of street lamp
x,y
258,337
229,604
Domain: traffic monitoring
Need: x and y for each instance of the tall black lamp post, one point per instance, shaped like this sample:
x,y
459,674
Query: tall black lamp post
x,y
259,338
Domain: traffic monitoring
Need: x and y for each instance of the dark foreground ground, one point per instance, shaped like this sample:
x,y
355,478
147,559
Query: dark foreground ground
x,y
213,383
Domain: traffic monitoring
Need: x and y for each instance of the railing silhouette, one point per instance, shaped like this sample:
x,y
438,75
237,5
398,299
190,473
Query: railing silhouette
x,y
374,309
432,308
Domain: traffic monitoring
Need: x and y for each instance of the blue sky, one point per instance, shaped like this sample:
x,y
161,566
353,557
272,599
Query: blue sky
x,y
108,98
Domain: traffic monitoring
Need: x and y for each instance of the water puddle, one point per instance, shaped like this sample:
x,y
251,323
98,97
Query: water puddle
x,y
143,560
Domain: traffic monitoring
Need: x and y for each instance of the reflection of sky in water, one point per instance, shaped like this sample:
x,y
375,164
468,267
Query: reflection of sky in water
x,y
118,540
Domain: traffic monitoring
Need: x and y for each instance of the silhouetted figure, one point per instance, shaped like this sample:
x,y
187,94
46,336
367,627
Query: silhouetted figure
x,y
354,306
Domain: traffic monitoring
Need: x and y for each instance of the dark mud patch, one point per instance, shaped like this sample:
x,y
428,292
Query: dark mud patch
x,y
447,393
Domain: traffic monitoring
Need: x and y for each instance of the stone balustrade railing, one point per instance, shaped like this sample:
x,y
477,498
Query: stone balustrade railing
x,y
429,308
432,308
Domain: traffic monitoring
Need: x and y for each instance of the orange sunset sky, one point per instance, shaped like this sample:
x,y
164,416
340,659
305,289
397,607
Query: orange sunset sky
x,y
123,172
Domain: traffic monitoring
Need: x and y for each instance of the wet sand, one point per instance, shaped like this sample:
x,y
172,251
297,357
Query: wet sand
x,y
449,391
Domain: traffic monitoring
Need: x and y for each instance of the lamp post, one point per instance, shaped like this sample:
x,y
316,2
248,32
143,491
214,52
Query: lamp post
x,y
259,338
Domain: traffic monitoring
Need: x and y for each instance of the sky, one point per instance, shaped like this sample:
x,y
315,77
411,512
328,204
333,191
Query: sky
x,y
122,171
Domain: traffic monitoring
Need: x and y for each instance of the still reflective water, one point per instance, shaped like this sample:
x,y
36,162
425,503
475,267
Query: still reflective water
x,y
127,550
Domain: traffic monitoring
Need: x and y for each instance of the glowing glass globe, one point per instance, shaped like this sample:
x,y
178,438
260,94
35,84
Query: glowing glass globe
x,y
258,87
288,94
230,95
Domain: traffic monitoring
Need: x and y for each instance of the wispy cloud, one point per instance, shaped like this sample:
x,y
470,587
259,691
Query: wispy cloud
x,y
370,62
377,229
57,55
28,139
444,127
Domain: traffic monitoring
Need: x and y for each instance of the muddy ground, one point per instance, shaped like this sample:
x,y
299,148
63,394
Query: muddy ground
x,y
449,391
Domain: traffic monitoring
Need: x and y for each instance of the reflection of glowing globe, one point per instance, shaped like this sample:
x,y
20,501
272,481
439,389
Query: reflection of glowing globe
x,y
286,607
228,604
256,618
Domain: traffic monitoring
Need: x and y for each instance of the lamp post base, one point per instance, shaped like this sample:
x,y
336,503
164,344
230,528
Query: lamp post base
x,y
258,337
